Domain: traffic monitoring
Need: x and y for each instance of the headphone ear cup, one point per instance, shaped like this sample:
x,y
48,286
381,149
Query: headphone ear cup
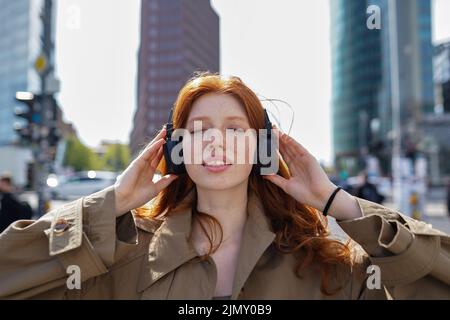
x,y
171,166
265,139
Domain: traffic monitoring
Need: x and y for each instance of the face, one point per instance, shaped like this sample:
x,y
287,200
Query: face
x,y
5,186
220,146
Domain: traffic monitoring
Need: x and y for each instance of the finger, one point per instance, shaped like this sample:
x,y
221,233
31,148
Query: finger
x,y
161,135
165,181
281,146
293,153
287,158
282,140
155,161
277,180
286,152
150,152
295,148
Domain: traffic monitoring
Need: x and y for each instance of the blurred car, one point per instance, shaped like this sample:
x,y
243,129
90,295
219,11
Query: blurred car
x,y
81,184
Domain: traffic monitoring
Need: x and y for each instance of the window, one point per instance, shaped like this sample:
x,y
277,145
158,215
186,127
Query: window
x,y
153,45
154,5
153,32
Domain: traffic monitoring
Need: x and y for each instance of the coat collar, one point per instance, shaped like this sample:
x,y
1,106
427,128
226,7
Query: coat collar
x,y
170,247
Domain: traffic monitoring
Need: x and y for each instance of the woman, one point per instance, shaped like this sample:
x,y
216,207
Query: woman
x,y
222,230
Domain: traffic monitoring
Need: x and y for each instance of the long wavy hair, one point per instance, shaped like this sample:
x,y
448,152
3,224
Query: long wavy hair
x,y
299,228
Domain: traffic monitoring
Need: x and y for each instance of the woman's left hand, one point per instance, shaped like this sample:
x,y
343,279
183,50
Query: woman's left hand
x,y
309,183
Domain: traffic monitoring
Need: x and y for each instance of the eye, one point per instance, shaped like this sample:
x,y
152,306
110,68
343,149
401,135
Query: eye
x,y
236,130
192,131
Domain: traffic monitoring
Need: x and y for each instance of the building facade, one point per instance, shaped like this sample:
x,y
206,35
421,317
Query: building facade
x,y
442,76
362,97
178,38
20,43
356,80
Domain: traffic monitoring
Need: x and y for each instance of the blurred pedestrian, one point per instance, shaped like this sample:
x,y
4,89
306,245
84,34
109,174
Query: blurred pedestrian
x,y
448,196
343,181
11,208
369,191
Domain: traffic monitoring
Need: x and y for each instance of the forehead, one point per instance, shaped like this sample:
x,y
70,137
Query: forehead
x,y
215,105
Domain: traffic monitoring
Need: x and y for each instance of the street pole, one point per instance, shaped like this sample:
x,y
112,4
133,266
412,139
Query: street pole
x,y
363,145
42,149
397,167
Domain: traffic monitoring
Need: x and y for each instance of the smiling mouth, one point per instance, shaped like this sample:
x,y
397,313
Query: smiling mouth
x,y
216,166
215,163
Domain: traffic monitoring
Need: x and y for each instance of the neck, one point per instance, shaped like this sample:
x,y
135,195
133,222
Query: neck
x,y
229,207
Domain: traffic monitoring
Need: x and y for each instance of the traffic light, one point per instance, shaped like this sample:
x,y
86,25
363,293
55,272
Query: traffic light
x,y
54,136
29,112
33,128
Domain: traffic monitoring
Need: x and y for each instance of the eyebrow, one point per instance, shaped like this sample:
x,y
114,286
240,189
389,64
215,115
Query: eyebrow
x,y
208,119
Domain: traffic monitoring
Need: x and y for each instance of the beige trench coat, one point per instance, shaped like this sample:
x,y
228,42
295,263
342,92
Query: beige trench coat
x,y
130,258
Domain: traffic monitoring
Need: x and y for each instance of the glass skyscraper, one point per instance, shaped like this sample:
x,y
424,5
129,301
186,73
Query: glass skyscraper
x,y
362,117
442,75
20,27
356,75
20,30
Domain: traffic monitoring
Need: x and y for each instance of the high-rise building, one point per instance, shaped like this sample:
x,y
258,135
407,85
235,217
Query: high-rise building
x,y
442,75
356,78
436,126
20,43
415,64
362,109
178,37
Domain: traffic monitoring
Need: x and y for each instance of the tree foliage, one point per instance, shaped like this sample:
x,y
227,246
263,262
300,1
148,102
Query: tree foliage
x,y
116,157
79,157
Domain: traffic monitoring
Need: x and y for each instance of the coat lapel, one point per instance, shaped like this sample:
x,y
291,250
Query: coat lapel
x,y
256,238
170,246
168,249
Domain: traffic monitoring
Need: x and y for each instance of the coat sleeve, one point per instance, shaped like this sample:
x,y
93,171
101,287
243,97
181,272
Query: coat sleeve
x,y
412,258
35,256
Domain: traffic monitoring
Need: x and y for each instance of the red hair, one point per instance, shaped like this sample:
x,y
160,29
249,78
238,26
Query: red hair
x,y
299,229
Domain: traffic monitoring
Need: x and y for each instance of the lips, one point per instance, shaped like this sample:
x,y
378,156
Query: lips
x,y
216,162
216,165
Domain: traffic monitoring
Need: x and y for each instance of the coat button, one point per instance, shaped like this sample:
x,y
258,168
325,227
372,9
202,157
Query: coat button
x,y
61,225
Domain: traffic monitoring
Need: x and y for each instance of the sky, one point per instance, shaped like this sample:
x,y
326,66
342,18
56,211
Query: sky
x,y
280,48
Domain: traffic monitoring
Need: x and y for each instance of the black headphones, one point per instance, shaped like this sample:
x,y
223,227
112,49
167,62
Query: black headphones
x,y
180,168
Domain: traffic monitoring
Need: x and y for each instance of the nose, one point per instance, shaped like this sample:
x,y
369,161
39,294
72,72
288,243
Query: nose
x,y
215,144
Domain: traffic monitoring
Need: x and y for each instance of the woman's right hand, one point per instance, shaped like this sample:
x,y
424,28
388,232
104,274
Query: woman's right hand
x,y
135,186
